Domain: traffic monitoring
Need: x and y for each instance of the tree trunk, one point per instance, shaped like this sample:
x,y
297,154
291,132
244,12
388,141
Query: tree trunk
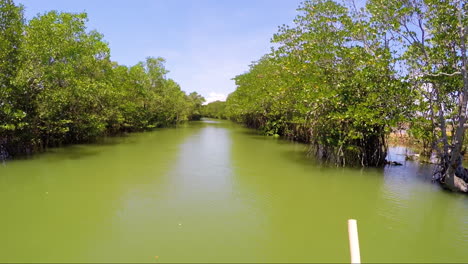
x,y
455,155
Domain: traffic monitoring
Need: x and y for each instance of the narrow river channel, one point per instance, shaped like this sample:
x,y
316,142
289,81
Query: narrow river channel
x,y
213,191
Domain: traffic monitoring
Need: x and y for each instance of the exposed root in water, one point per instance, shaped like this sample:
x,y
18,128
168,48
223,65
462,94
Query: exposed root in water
x,y
450,178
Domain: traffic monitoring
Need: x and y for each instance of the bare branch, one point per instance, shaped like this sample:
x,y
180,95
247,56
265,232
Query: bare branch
x,y
442,74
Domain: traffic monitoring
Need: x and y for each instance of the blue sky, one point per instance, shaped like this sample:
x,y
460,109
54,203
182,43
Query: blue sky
x,y
205,42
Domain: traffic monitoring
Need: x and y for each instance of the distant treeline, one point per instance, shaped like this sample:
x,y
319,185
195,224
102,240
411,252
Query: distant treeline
x,y
216,109
59,86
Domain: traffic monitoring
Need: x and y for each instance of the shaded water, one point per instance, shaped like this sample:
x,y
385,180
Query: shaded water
x,y
213,191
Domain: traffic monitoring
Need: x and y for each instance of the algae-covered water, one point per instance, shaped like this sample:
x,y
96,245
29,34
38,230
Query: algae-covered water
x,y
213,191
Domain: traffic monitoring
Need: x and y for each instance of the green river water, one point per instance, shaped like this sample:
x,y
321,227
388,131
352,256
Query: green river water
x,y
213,191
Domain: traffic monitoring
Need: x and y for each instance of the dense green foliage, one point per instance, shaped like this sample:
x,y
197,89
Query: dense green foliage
x,y
216,109
330,82
429,34
342,77
195,105
429,41
58,85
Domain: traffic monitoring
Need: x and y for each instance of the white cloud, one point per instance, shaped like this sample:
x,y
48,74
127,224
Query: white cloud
x,y
215,97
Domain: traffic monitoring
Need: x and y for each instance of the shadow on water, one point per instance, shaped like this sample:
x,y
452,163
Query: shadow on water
x,y
84,150
253,133
300,157
75,152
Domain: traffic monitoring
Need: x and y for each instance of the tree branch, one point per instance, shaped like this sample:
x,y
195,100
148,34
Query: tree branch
x,y
442,74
